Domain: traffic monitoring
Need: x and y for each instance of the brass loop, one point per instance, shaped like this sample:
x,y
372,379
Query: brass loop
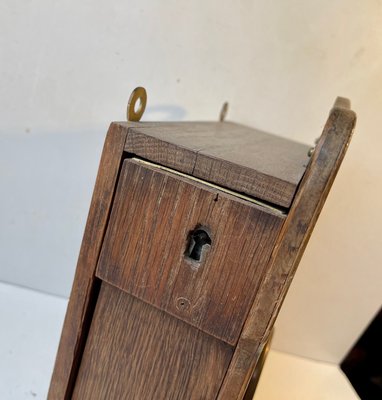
x,y
223,112
137,104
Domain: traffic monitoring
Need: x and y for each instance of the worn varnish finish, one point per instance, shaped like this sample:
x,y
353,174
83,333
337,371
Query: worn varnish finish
x,y
135,351
147,237
80,304
292,241
244,159
165,327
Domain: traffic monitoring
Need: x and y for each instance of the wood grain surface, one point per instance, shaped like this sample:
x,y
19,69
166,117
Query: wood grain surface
x,y
240,158
291,244
83,293
137,352
144,249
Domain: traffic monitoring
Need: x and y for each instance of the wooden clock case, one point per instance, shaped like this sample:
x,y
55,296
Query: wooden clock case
x,y
194,233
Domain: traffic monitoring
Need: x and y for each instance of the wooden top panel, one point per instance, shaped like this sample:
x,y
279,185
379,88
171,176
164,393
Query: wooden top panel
x,y
240,158
144,249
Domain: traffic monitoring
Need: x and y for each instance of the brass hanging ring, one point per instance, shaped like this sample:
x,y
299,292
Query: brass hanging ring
x,y
137,104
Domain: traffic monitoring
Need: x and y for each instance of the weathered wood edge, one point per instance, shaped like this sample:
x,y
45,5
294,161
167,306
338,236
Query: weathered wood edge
x,y
290,246
83,290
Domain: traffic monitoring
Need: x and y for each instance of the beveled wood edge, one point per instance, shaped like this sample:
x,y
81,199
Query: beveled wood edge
x,y
190,161
290,246
79,309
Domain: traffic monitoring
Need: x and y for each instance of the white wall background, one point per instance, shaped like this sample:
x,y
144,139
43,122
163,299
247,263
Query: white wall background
x,y
68,67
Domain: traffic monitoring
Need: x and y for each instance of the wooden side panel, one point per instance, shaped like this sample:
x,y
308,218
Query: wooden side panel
x,y
80,304
137,352
146,240
292,241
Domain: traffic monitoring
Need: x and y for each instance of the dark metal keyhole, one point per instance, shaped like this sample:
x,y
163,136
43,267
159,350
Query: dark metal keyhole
x,y
199,239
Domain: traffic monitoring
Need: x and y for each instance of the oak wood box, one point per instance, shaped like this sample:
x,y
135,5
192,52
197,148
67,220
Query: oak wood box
x,y
194,234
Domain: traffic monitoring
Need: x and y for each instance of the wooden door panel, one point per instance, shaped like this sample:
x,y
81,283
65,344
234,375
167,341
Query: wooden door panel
x,y
136,352
147,238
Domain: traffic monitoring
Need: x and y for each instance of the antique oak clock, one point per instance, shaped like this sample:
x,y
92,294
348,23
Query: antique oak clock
x,y
194,233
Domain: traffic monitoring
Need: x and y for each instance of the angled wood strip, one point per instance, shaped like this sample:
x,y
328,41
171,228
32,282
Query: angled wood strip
x,y
292,241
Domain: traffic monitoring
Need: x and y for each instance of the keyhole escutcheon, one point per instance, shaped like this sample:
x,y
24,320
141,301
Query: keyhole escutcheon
x,y
198,242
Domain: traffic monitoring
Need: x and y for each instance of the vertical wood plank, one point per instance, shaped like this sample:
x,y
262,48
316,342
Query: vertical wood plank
x,y
80,303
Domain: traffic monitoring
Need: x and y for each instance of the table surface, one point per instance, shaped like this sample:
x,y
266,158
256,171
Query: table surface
x,y
30,331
